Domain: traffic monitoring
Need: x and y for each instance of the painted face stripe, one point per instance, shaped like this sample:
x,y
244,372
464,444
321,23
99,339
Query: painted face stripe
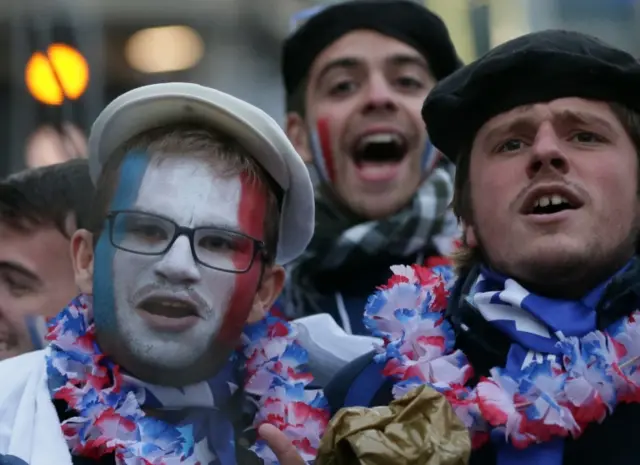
x,y
325,146
132,171
252,207
316,153
37,329
251,214
429,158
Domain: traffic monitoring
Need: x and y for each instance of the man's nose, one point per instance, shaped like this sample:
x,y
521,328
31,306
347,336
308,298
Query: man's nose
x,y
178,264
379,95
547,152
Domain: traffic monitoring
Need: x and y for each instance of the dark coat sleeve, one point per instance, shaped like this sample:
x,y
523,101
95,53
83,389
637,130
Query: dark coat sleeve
x,y
338,388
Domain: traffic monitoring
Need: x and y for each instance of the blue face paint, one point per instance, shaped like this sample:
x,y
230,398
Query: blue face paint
x,y
318,156
132,171
37,328
428,157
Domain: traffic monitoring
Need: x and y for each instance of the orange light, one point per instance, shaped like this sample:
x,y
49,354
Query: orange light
x,y
70,67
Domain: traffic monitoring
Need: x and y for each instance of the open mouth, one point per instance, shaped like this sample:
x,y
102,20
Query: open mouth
x,y
548,204
169,307
378,155
380,148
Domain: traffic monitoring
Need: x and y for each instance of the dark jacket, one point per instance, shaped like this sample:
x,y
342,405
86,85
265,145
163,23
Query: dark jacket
x,y
612,443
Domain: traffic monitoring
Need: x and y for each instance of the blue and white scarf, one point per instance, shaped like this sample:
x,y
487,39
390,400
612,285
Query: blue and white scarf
x,y
536,325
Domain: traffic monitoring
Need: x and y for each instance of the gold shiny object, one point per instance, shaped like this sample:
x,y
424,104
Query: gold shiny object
x,y
417,429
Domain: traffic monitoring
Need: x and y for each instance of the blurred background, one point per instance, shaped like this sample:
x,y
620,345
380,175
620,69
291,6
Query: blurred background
x,y
61,61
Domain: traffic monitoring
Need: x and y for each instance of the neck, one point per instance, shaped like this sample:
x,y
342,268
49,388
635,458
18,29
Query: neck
x,y
571,284
337,205
201,369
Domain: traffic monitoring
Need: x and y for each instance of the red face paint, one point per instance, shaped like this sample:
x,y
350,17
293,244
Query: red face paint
x,y
325,145
251,215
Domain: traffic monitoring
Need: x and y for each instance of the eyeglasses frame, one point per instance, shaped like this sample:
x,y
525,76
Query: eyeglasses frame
x,y
259,246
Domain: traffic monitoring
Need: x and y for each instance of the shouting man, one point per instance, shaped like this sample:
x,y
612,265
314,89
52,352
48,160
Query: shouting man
x,y
168,356
537,347
356,76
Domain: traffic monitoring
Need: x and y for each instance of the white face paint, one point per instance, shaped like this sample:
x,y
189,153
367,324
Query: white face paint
x,y
188,191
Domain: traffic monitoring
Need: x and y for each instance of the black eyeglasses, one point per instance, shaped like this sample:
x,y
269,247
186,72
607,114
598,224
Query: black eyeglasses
x,y
148,234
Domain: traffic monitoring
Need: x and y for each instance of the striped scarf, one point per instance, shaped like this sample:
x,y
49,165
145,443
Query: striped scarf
x,y
343,240
536,325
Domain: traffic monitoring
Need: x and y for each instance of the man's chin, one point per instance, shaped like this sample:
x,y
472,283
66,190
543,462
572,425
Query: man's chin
x,y
552,254
163,365
376,201
553,271
373,204
166,325
10,353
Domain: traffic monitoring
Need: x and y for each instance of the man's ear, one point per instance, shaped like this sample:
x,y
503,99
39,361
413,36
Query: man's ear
x,y
269,290
299,136
470,236
82,258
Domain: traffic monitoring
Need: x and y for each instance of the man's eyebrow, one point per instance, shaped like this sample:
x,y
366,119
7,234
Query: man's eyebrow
x,y
345,63
8,265
400,59
220,225
516,124
216,224
584,118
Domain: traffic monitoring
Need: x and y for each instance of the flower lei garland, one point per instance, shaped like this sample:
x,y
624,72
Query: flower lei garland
x,y
111,420
555,398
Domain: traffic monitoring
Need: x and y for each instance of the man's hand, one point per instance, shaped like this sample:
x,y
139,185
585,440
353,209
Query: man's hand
x,y
280,445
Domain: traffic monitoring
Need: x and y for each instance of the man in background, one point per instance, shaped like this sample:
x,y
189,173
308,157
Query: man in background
x,y
356,75
39,211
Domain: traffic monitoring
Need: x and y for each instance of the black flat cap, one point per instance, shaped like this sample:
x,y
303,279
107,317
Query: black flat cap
x,y
404,20
537,67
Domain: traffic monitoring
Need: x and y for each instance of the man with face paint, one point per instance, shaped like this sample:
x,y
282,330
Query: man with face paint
x,y
536,343
356,74
169,354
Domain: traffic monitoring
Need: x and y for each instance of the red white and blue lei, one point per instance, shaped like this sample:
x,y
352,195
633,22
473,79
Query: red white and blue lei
x,y
110,419
556,398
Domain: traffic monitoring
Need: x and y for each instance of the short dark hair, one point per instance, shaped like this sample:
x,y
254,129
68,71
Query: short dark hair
x,y
47,195
196,139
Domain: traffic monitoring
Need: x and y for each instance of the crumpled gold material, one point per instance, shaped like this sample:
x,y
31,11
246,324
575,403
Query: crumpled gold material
x,y
420,428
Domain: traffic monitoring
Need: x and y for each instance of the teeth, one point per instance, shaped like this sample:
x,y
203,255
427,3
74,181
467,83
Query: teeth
x,y
547,200
173,304
557,200
169,308
380,138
